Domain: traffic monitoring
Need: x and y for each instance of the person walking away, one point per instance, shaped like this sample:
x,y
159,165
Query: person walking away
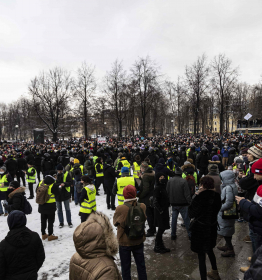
x,y
96,246
127,245
161,213
202,162
11,166
213,173
215,160
37,161
14,197
31,178
121,183
77,171
203,211
87,199
180,198
21,252
21,167
109,180
5,180
99,174
254,210
64,181
225,154
227,226
146,191
68,168
89,166
47,206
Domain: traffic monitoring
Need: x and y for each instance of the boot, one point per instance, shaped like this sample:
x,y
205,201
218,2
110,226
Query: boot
x,y
52,237
113,207
213,274
149,234
30,197
223,248
162,245
244,269
159,249
6,214
249,259
44,236
228,253
247,239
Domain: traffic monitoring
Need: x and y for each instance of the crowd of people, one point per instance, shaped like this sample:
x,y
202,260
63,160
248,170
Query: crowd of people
x,y
211,181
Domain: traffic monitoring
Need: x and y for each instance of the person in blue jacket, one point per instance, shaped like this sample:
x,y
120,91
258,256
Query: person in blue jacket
x,y
225,154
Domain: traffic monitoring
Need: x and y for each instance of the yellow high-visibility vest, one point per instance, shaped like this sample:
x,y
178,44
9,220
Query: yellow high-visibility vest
x,y
87,206
121,184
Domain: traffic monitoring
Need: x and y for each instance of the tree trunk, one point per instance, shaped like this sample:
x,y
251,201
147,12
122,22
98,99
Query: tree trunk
x,y
85,120
120,128
54,136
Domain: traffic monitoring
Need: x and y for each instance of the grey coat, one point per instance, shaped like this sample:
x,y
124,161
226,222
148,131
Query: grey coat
x,y
228,192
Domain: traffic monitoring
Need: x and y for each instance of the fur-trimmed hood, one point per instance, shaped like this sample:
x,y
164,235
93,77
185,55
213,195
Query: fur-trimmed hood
x,y
95,237
18,190
188,166
149,173
213,162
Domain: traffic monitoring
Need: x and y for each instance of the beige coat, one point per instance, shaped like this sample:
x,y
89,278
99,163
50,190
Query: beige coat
x,y
96,244
119,220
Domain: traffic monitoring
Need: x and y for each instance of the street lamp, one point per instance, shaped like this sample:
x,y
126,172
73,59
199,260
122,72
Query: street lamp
x,y
172,128
16,127
104,128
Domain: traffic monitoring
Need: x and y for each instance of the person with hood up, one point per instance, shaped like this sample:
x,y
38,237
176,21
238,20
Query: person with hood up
x,y
96,246
47,210
15,197
202,162
21,252
89,166
161,168
127,245
215,160
5,180
87,199
161,213
227,226
109,179
213,173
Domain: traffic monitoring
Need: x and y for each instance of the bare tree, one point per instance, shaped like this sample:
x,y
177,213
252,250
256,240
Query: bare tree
x,y
84,89
51,92
197,81
224,79
145,74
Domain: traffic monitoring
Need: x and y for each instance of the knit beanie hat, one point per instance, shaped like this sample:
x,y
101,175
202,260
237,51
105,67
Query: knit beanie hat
x,y
258,196
129,192
72,159
3,168
60,167
161,161
178,171
186,163
215,158
125,171
76,160
16,219
257,167
14,184
256,151
31,162
144,165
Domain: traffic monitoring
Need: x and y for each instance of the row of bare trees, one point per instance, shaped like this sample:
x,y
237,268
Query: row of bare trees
x,y
139,101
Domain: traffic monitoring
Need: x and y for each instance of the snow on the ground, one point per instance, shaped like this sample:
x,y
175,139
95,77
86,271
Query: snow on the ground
x,y
59,252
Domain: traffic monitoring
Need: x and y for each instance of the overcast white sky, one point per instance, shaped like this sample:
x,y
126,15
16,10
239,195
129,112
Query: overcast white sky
x,y
38,35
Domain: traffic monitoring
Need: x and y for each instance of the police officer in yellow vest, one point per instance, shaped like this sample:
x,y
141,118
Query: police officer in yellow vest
x,y
123,163
64,180
5,180
99,174
121,183
31,178
47,210
87,198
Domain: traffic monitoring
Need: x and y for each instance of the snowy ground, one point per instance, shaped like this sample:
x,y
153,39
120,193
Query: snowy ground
x,y
59,252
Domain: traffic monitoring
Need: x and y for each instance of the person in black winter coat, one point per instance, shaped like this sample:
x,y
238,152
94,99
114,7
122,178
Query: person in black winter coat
x,y
109,179
182,155
21,252
11,166
38,160
161,213
203,210
202,162
15,197
47,165
21,166
64,182
161,168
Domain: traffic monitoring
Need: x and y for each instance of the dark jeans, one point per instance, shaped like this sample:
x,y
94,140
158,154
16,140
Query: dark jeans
x,y
38,170
60,211
256,240
31,189
84,217
159,235
51,219
20,175
228,240
99,181
110,198
202,263
125,257
183,210
150,219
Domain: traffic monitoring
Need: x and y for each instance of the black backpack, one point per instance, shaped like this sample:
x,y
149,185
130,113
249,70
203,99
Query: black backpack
x,y
135,221
27,208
